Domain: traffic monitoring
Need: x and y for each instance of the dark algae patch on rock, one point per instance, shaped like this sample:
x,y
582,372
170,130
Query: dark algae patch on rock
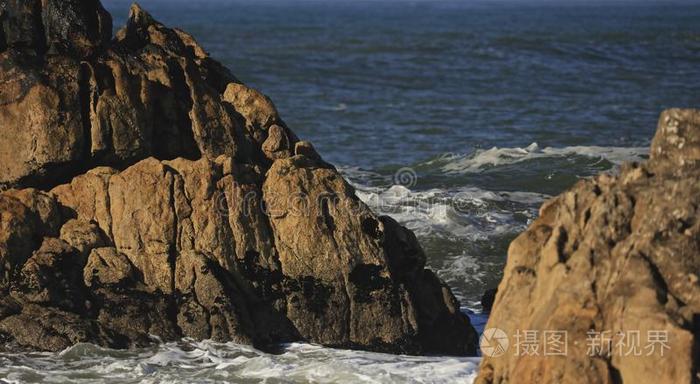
x,y
148,192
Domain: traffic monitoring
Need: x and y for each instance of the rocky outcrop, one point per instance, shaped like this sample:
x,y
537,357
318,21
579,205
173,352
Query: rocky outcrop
x,y
614,263
147,192
73,99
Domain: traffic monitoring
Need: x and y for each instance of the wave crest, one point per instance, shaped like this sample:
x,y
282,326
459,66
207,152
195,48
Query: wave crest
x,y
482,159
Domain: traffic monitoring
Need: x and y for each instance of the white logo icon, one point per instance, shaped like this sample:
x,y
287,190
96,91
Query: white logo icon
x,y
493,342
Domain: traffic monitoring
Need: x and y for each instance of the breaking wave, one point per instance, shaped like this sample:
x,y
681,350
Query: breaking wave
x,y
482,159
211,362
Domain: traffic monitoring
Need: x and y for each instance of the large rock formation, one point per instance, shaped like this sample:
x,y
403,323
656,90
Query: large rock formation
x,y
149,192
614,262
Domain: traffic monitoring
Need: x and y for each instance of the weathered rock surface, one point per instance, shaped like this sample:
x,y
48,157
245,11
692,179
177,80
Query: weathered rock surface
x,y
149,192
616,257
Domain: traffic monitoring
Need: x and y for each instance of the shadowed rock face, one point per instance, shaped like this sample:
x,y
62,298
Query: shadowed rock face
x,y
148,192
614,258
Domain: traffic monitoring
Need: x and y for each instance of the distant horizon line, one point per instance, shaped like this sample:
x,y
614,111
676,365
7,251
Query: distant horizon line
x,y
474,2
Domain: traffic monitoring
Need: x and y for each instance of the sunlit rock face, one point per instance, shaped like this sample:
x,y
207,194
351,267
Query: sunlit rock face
x,y
611,265
147,192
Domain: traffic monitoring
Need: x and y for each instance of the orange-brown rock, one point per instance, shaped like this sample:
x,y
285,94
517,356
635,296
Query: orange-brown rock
x,y
614,263
171,200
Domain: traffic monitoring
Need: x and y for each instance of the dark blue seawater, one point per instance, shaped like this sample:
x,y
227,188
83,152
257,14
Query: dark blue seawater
x,y
399,82
457,118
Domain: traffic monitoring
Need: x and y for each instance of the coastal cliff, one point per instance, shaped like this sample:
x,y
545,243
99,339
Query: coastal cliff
x,y
148,192
611,268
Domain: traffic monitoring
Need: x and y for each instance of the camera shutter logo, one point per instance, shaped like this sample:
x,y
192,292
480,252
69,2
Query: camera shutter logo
x,y
493,342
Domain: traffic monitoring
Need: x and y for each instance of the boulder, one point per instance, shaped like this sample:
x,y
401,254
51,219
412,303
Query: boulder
x,y
48,328
277,145
51,277
612,264
84,236
106,267
26,217
148,192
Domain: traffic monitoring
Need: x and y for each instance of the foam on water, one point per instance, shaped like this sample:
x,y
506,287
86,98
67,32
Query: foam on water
x,y
211,362
464,231
463,223
468,213
482,159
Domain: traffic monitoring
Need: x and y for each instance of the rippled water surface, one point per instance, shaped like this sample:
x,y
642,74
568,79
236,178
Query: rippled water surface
x,y
457,118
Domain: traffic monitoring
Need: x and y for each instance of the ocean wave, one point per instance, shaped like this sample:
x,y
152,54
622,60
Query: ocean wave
x,y
482,159
464,231
468,213
210,362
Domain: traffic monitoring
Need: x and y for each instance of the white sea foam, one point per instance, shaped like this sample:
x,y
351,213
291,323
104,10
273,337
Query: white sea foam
x,y
210,362
463,229
468,213
484,158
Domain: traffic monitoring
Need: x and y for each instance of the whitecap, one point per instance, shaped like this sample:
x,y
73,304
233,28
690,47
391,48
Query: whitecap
x,y
496,156
468,213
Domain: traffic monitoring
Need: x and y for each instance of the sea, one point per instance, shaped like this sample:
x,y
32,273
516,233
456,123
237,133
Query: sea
x,y
457,118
